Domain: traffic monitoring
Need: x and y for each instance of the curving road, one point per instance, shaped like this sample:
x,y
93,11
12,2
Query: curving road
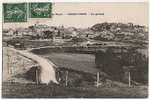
x,y
47,72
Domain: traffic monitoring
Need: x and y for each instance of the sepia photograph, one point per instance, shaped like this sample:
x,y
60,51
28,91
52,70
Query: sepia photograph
x,y
75,49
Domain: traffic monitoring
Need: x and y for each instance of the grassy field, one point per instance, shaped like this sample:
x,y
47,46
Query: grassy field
x,y
81,80
80,62
17,90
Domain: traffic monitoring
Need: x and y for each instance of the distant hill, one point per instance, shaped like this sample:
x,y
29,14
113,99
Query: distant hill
x,y
120,32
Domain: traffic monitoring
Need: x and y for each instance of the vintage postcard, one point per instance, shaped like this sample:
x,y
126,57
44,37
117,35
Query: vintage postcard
x,y
75,49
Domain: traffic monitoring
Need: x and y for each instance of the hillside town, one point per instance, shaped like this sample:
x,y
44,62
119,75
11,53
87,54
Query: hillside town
x,y
117,32
57,58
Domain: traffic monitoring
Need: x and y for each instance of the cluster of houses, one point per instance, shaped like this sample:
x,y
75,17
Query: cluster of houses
x,y
103,32
48,32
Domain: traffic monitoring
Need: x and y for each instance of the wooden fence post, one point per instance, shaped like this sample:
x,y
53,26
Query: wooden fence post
x,y
37,75
97,83
129,79
66,82
8,61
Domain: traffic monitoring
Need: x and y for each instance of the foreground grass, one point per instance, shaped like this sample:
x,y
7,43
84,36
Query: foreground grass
x,y
17,90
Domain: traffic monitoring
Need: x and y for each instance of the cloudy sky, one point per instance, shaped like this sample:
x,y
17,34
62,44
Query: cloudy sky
x,y
136,13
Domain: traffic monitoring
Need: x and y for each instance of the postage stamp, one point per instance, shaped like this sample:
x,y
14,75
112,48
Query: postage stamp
x,y
40,10
15,12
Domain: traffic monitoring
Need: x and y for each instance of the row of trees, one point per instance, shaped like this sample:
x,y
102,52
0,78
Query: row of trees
x,y
117,64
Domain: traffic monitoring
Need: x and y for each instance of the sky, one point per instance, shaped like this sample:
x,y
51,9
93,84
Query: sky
x,y
137,13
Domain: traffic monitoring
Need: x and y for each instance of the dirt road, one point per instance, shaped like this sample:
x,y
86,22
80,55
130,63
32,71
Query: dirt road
x,y
47,72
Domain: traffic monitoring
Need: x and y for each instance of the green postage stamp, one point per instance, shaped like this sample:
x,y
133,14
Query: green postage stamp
x,y
40,10
15,12
19,12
